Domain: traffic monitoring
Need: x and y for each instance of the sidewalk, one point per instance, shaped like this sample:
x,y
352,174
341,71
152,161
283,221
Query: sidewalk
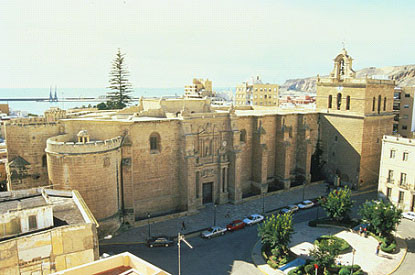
x,y
365,255
204,218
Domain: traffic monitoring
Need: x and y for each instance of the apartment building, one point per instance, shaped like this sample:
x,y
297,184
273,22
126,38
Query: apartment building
x,y
199,88
43,231
396,175
406,125
255,92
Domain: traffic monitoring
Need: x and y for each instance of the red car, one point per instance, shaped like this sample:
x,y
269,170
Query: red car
x,y
235,225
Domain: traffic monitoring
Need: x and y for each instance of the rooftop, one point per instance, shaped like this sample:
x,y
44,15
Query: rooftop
x,y
124,263
65,204
21,202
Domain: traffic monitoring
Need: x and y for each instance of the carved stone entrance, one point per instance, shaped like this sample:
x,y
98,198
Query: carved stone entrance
x,y
207,192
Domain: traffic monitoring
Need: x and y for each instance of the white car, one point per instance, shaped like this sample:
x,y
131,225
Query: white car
x,y
289,209
254,218
306,204
409,215
213,231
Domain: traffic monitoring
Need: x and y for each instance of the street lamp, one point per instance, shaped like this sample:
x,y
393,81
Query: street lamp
x,y
214,214
353,252
318,206
263,203
304,189
179,239
149,228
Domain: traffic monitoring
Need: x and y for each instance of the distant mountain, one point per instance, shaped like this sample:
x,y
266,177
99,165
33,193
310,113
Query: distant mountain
x,y
403,76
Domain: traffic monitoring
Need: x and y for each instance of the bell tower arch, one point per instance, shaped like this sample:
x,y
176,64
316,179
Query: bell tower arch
x,y
343,66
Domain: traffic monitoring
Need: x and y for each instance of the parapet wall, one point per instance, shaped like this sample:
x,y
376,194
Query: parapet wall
x,y
401,140
354,81
61,145
30,121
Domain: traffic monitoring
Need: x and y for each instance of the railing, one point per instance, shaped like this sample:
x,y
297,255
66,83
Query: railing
x,y
404,185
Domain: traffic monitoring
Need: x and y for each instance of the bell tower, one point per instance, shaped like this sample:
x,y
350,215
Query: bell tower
x,y
355,113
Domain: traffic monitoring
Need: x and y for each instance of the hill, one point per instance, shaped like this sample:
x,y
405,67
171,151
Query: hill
x,y
403,75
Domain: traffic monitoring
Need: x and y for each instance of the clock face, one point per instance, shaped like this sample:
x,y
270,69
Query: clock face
x,y
224,143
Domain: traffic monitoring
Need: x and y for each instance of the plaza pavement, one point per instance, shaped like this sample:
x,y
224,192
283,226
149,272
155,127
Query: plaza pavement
x,y
204,218
365,255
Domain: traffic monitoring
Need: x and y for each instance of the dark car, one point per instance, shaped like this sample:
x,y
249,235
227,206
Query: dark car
x,y
235,225
160,241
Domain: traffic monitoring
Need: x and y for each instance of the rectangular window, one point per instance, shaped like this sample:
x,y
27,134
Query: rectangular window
x,y
407,95
400,197
392,154
32,222
406,106
404,127
390,176
405,117
405,156
403,179
388,192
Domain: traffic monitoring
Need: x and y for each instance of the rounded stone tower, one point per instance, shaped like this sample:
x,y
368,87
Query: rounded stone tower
x,y
93,168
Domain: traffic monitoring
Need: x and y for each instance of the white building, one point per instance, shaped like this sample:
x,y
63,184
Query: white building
x,y
397,172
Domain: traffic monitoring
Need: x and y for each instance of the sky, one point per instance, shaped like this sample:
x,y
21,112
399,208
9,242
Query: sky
x,y
168,43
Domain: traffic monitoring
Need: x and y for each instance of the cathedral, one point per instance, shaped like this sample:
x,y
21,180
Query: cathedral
x,y
166,156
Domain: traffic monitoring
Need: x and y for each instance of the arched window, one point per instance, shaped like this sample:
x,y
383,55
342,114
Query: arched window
x,y
379,103
348,102
384,104
373,104
242,136
330,101
339,101
154,143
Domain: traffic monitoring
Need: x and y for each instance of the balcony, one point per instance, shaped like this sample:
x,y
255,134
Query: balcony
x,y
405,186
389,180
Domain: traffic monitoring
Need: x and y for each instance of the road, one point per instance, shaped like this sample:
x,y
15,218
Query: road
x,y
215,256
407,230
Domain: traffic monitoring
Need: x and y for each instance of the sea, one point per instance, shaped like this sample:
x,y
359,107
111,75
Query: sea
x,y
38,107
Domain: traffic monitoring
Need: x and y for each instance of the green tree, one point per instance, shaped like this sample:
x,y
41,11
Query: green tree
x,y
382,217
338,204
276,232
325,253
102,106
119,84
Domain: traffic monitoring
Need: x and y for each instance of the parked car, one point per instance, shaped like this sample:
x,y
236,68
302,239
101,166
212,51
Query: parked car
x,y
254,218
289,209
305,204
235,225
160,241
409,215
213,231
